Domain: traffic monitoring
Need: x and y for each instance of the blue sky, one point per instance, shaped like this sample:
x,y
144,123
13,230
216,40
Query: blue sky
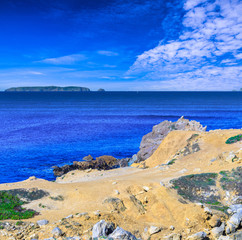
x,y
122,45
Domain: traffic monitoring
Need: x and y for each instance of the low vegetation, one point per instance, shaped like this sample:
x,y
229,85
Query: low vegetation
x,y
11,207
234,139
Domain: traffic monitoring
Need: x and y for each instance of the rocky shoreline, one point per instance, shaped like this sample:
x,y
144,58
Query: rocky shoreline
x,y
150,142
185,183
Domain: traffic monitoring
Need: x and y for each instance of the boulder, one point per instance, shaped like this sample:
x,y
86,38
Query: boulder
x,y
235,208
88,158
151,141
42,222
153,230
121,234
102,229
56,232
198,236
218,231
236,219
124,162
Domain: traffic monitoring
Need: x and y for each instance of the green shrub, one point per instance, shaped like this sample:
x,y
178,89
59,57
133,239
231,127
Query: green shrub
x,y
234,139
11,207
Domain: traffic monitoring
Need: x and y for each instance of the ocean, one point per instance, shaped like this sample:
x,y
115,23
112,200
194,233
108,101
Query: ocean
x,y
40,130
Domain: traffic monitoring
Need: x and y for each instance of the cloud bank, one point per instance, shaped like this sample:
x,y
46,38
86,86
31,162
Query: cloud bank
x,y
206,56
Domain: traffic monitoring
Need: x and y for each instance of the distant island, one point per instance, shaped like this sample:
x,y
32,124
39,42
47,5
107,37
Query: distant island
x,y
48,89
101,90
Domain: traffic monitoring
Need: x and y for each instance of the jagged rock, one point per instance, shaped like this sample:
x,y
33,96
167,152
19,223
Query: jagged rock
x,y
88,158
42,222
218,231
56,232
102,229
198,236
236,219
121,234
151,141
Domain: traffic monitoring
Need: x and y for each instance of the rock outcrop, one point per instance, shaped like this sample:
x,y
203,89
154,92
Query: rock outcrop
x,y
101,163
151,141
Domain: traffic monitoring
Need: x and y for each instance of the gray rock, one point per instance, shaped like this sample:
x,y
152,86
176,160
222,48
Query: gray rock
x,y
88,158
153,230
81,214
218,231
235,208
124,162
56,232
134,157
151,141
42,222
236,219
102,229
198,236
224,238
230,228
237,235
173,236
121,234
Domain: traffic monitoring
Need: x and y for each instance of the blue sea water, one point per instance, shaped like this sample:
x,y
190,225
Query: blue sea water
x,y
40,130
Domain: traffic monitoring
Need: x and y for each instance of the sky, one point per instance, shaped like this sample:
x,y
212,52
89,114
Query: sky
x,y
122,45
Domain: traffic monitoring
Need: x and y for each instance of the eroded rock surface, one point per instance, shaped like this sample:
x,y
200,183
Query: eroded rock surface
x,y
151,141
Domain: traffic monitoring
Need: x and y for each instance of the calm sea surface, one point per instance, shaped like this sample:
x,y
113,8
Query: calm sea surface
x,y
40,130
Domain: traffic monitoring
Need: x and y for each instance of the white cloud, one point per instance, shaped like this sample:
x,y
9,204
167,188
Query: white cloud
x,y
65,60
211,31
107,53
35,73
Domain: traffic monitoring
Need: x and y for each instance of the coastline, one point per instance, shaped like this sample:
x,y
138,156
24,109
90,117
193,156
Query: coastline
x,y
144,196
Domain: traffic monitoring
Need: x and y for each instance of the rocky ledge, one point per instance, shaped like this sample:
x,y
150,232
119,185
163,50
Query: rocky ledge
x,y
100,163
